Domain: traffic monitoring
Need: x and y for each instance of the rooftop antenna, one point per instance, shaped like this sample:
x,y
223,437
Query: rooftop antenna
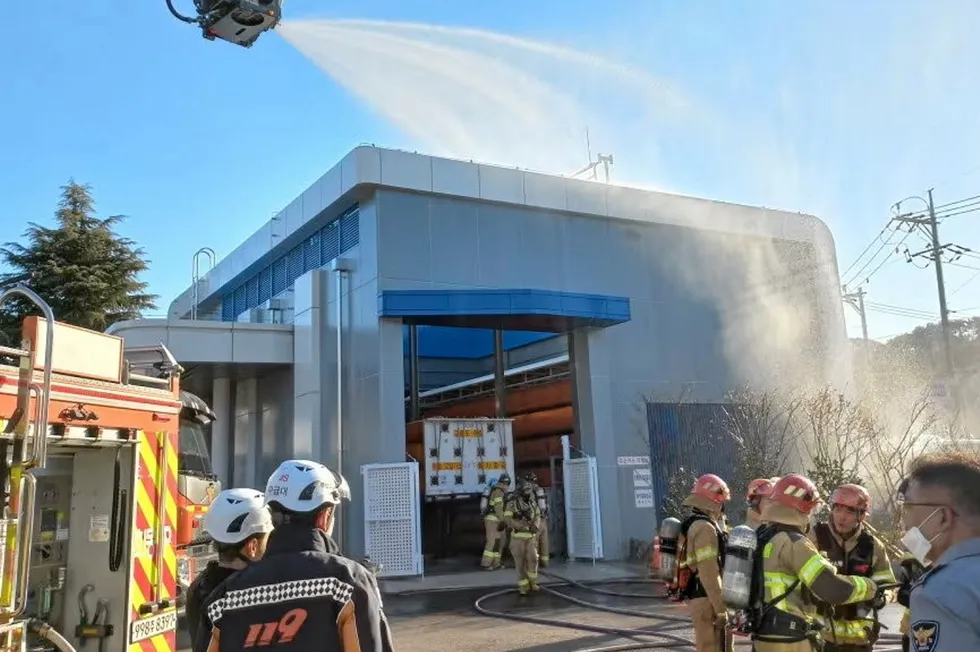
x,y
604,160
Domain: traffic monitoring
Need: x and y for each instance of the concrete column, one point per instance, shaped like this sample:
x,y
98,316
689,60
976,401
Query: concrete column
x,y
590,367
221,429
499,377
306,439
415,410
246,433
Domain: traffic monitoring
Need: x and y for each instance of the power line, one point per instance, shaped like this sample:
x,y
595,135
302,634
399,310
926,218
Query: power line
x,y
864,278
934,253
866,250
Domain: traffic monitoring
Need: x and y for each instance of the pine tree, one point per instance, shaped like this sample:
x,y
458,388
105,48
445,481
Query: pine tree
x,y
87,273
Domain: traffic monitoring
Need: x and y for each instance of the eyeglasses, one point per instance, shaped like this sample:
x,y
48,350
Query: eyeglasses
x,y
904,505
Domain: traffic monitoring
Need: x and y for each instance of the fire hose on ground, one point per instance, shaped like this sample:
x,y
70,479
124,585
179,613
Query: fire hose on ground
x,y
663,629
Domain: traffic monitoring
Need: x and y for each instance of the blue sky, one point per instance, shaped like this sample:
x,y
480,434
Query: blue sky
x,y
817,106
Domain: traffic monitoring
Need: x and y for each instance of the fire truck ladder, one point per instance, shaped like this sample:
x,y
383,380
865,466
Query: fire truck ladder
x,y
18,487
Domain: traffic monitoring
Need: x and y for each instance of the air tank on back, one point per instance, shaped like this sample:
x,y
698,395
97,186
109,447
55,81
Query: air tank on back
x,y
485,499
542,498
670,530
736,578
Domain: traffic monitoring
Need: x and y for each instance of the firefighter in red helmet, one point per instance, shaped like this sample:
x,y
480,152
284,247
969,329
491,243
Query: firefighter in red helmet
x,y
699,561
793,572
853,550
758,490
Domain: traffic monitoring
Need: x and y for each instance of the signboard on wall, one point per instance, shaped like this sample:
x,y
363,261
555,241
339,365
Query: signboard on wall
x,y
643,498
642,479
633,460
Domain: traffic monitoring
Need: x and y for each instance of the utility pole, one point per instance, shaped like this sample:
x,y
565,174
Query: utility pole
x,y
937,257
934,253
856,301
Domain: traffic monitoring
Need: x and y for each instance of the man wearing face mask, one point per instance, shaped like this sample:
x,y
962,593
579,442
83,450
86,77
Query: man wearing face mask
x,y
941,510
302,594
853,550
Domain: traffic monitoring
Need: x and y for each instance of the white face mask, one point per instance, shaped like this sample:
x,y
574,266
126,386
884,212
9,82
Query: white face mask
x,y
917,543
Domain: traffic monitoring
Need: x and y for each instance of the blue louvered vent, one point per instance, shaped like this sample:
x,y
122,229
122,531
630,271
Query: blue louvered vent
x,y
279,280
265,284
330,241
317,250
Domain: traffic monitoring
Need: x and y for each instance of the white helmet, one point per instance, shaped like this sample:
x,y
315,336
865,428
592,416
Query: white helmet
x,y
304,486
237,514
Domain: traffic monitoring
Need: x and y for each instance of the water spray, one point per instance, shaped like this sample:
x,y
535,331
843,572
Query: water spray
x,y
237,21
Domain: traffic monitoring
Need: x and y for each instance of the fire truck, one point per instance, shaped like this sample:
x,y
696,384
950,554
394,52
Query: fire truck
x,y
89,463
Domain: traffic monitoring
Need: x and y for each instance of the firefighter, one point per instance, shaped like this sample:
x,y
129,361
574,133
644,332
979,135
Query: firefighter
x,y
299,595
853,550
793,569
699,563
522,516
544,545
239,524
756,493
493,520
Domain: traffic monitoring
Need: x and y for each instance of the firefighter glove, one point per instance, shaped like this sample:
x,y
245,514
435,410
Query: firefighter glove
x,y
904,593
721,619
501,526
880,600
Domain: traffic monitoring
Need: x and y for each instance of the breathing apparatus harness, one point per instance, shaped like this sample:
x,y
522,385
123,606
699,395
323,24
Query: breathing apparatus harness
x,y
858,562
686,585
763,620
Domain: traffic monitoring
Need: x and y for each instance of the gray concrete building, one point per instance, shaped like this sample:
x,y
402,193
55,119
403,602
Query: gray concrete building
x,y
300,337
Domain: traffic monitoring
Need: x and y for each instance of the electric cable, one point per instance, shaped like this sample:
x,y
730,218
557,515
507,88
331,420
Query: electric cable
x,y
178,15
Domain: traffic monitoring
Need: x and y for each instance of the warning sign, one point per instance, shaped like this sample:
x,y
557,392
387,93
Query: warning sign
x,y
642,479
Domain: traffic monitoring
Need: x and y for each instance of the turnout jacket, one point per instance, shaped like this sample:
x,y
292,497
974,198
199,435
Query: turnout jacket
x,y
207,581
299,597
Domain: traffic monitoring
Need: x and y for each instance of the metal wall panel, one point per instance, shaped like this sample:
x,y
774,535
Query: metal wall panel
x,y
688,436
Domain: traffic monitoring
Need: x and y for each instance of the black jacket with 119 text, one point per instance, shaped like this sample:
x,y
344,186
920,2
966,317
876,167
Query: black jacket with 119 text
x,y
299,597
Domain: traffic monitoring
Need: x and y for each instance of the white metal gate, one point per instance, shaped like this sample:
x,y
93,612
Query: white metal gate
x,y
392,532
583,523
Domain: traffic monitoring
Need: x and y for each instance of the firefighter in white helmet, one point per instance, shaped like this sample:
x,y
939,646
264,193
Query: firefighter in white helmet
x,y
319,600
239,524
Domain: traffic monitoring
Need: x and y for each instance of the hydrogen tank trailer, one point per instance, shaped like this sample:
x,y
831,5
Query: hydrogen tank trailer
x,y
240,22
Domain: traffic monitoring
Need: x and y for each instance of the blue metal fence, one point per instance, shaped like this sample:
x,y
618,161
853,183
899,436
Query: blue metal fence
x,y
689,436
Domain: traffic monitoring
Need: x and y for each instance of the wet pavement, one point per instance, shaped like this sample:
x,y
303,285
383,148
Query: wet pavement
x,y
447,621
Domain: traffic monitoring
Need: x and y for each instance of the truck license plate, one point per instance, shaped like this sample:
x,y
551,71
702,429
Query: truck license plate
x,y
145,628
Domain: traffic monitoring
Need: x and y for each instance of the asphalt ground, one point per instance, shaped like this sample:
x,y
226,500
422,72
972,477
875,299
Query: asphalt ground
x,y
448,622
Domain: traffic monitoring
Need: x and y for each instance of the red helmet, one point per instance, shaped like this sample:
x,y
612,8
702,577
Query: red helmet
x,y
796,491
712,487
758,488
852,495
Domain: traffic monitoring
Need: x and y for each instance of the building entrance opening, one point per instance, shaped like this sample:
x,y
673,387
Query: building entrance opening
x,y
480,403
